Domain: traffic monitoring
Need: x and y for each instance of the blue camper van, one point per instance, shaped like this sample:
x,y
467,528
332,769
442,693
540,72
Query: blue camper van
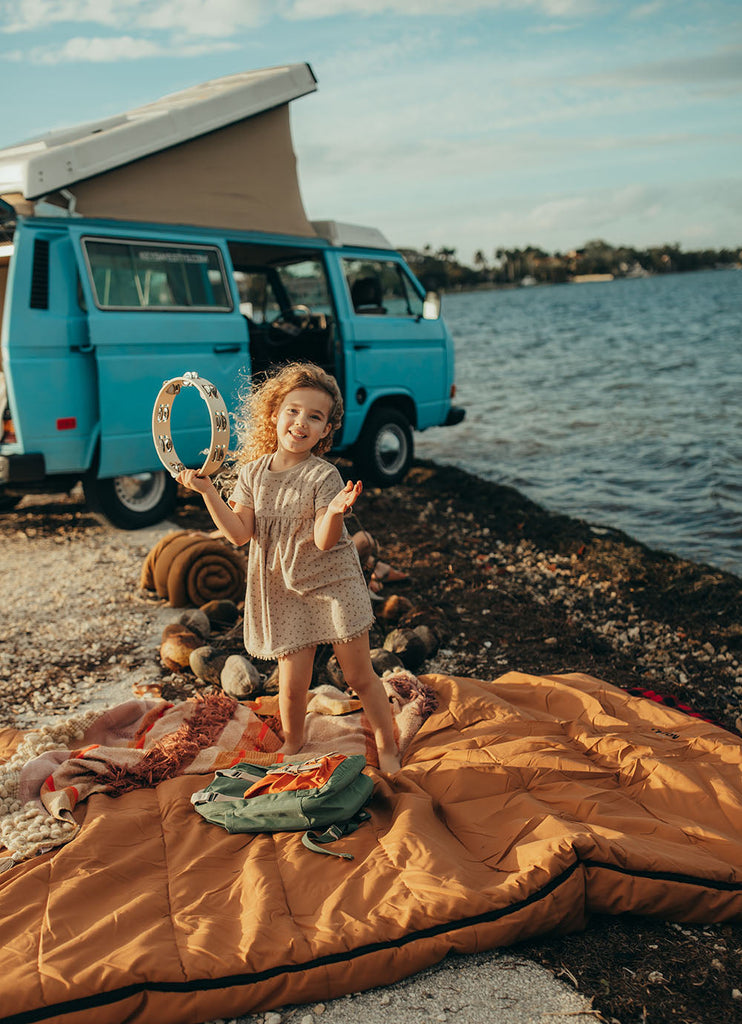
x,y
134,250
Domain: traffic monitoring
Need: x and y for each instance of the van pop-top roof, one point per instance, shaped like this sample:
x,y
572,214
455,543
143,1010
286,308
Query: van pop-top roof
x,y
215,155
62,158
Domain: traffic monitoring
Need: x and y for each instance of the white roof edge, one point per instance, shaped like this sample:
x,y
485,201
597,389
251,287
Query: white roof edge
x,y
338,233
59,159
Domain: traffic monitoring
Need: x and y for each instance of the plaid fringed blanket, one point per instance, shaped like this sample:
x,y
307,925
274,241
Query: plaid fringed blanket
x,y
144,742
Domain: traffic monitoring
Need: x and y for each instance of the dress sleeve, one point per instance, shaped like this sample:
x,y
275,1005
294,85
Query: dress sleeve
x,y
242,493
330,484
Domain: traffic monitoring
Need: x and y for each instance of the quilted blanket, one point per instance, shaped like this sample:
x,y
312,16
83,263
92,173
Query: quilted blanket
x,y
522,806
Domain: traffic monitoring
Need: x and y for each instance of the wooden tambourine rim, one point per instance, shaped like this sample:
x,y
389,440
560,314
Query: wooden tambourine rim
x,y
218,416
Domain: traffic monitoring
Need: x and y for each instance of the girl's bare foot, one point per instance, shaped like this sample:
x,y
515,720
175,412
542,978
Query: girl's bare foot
x,y
290,748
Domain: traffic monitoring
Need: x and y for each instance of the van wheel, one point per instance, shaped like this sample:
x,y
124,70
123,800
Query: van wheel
x,y
383,452
131,502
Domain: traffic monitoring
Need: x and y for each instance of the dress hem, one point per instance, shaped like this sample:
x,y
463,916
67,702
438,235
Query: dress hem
x,y
314,643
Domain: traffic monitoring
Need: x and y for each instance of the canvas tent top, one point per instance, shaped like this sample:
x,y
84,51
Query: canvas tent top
x,y
61,158
216,155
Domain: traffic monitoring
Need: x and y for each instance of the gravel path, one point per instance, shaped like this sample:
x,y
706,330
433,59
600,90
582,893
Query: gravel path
x,y
76,631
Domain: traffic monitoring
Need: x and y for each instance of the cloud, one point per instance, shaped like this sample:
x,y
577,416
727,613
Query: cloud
x,y
310,9
100,50
27,15
190,17
724,65
702,213
224,17
593,212
204,17
647,10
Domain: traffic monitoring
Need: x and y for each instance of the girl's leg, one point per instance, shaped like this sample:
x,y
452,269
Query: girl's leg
x,y
294,677
354,658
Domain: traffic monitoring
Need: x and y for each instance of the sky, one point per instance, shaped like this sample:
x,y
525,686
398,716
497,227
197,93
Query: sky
x,y
467,124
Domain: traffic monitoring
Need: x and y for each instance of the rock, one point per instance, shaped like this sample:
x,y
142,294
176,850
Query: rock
x,y
176,647
207,664
335,673
429,637
384,661
432,617
270,686
239,677
221,614
408,646
394,608
174,629
197,621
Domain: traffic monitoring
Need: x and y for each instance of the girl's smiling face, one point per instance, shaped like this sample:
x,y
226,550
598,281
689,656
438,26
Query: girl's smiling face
x,y
302,421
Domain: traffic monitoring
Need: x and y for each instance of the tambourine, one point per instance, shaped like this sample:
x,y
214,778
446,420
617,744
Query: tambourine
x,y
161,418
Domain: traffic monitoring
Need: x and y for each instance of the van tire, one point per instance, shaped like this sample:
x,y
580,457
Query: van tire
x,y
383,453
132,502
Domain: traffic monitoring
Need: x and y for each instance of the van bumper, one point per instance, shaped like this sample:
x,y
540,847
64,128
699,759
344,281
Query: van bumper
x,y
455,415
22,469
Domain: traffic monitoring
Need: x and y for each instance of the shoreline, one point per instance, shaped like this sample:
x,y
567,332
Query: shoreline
x,y
508,584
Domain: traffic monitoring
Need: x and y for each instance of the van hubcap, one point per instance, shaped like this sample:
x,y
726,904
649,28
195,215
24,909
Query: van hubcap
x,y
391,448
140,492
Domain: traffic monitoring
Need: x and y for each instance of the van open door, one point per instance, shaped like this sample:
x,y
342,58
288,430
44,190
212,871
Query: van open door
x,y
157,306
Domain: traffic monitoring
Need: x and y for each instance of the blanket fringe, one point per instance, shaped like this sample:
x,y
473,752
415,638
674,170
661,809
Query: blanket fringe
x,y
167,757
408,687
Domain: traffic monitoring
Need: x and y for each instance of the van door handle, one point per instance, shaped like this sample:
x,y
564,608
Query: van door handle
x,y
361,348
226,348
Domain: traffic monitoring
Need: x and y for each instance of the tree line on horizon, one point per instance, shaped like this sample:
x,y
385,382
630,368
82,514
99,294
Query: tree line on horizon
x,y
439,269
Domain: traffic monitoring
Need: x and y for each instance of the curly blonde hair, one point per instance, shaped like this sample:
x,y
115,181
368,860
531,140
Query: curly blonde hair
x,y
257,433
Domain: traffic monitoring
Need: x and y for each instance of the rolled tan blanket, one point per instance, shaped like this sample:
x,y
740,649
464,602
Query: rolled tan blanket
x,y
191,568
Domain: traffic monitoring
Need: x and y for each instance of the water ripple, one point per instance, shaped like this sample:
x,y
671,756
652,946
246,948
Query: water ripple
x,y
618,403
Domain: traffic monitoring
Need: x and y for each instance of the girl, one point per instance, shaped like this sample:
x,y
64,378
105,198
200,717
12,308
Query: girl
x,y
304,581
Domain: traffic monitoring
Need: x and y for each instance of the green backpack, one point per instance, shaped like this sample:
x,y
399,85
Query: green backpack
x,y
322,796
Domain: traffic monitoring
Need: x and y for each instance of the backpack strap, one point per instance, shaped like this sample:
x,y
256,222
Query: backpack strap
x,y
332,833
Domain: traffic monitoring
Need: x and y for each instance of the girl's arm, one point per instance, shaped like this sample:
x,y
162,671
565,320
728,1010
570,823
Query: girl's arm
x,y
237,525
328,523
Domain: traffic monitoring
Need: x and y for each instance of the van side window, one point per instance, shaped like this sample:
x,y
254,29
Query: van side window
x,y
381,288
140,275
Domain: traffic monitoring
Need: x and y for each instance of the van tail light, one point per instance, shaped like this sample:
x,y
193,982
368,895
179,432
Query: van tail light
x,y
453,391
67,423
8,430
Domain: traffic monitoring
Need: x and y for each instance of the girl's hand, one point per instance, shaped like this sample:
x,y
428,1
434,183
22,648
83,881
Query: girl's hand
x,y
345,499
189,478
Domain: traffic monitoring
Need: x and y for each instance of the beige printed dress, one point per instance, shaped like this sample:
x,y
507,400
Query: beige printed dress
x,y
297,596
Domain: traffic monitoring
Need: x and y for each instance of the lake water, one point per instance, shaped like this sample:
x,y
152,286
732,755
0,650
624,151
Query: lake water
x,y
619,403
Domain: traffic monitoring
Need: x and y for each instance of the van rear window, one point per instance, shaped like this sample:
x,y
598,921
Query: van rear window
x,y
155,276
